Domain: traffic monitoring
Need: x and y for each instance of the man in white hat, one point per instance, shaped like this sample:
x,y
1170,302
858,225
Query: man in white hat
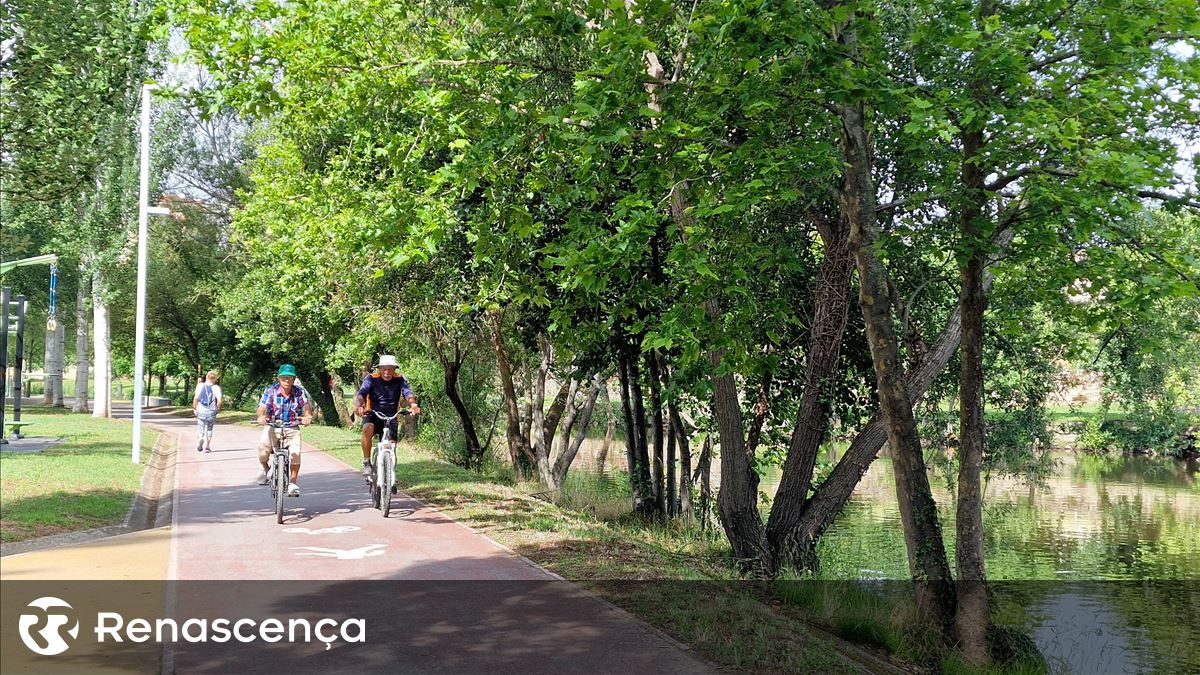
x,y
382,393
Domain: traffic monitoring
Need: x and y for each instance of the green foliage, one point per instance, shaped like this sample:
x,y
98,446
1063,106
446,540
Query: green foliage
x,y
1139,433
1092,436
422,171
70,72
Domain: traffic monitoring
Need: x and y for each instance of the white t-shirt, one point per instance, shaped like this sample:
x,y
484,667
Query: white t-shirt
x,y
212,407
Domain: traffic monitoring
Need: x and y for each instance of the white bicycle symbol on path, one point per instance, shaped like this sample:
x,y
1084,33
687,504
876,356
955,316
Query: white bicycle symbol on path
x,y
340,529
359,553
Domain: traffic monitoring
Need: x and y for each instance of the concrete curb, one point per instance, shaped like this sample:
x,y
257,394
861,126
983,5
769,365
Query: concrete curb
x,y
150,499
150,507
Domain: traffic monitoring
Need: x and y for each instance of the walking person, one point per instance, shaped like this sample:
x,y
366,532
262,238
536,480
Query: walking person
x,y
206,403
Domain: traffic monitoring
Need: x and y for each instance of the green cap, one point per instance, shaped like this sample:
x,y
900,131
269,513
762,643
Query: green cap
x,y
286,370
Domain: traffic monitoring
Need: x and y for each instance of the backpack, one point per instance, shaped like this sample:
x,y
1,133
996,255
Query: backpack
x,y
207,397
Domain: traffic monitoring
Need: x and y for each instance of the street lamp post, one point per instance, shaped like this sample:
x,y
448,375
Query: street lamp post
x,y
144,211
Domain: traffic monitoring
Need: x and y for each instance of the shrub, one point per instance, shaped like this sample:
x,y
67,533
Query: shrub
x,y
1093,437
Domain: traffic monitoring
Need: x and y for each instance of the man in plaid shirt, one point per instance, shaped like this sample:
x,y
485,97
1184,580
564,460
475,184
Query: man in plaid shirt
x,y
288,403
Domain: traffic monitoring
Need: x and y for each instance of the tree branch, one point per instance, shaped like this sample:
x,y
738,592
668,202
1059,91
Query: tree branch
x,y
1004,181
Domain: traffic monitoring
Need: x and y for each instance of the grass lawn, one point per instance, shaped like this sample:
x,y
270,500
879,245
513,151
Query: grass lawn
x,y
678,583
83,483
226,416
1081,413
36,388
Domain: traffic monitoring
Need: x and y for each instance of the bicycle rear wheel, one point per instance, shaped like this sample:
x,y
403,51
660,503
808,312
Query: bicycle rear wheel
x,y
281,479
389,478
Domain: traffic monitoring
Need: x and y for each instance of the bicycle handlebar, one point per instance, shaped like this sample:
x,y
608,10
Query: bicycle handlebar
x,y
399,413
278,423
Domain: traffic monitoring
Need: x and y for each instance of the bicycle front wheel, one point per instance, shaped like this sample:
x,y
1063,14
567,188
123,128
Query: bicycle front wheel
x,y
281,479
388,469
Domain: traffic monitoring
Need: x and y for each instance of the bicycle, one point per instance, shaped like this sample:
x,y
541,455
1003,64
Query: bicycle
x,y
382,481
279,469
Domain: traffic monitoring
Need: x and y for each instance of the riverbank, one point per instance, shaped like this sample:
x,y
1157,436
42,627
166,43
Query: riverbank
x,y
651,571
1090,563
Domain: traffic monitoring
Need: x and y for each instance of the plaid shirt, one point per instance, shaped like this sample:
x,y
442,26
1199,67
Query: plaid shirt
x,y
288,409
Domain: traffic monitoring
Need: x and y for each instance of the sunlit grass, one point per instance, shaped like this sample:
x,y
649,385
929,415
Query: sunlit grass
x,y
87,481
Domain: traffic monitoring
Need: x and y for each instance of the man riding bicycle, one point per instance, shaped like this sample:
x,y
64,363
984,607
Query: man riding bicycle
x,y
382,393
288,403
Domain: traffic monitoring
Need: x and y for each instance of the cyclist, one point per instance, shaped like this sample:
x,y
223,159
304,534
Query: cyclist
x,y
383,394
288,403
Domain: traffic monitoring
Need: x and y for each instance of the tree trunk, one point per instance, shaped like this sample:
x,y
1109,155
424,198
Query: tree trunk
x,y
648,505
918,511
685,466
101,347
451,367
518,445
410,428
527,415
328,394
563,464
656,413
344,413
762,406
563,401
705,470
82,293
544,423
570,417
831,310
162,385
637,496
972,617
737,501
672,499
831,496
610,429
541,446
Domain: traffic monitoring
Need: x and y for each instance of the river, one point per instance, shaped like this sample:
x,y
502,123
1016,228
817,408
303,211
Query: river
x,y
1099,561
1094,518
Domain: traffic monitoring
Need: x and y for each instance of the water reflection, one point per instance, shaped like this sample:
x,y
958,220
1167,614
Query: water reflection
x,y
1092,518
1081,556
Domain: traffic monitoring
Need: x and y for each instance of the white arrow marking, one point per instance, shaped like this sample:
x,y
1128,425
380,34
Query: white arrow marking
x,y
342,554
340,529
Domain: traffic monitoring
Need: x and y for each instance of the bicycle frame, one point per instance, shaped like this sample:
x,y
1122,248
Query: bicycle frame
x,y
383,464
279,467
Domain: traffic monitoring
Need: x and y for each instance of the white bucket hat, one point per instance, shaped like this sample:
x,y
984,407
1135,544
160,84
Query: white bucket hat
x,y
387,360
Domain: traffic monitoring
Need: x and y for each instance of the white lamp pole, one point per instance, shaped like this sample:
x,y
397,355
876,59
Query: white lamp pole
x,y
144,211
